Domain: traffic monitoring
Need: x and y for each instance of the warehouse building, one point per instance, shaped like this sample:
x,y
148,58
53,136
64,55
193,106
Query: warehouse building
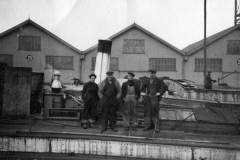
x,y
223,58
30,45
138,50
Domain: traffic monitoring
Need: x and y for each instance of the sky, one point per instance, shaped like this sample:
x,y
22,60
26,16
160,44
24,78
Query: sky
x,y
82,22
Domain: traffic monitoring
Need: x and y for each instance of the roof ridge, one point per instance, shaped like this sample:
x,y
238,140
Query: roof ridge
x,y
198,45
143,30
29,21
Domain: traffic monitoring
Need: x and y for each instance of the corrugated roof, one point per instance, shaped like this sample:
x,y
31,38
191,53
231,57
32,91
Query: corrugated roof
x,y
195,47
134,25
29,21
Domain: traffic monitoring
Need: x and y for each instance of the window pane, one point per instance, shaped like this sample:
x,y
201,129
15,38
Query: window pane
x,y
233,47
59,62
114,63
162,64
6,58
93,63
213,64
133,46
29,43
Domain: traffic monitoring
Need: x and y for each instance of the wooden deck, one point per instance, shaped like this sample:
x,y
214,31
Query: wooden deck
x,y
67,140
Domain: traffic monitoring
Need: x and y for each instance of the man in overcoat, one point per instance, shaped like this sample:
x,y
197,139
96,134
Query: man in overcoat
x,y
109,93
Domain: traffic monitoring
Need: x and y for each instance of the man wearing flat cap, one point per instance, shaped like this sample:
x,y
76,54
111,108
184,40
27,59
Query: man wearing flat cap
x,y
90,97
130,95
152,92
109,93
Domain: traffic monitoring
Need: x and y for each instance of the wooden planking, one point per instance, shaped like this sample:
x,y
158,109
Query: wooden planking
x,y
36,92
122,149
115,148
16,92
215,154
2,75
20,144
199,127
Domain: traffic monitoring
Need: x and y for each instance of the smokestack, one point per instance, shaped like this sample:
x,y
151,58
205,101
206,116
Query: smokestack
x,y
102,59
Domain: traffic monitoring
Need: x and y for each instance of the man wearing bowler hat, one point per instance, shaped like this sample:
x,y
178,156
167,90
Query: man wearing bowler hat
x,y
130,95
109,93
152,92
90,97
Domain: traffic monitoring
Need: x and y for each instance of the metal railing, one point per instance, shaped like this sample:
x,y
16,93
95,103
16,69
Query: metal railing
x,y
225,76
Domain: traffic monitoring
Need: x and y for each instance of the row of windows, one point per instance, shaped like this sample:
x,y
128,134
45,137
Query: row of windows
x,y
162,64
137,46
113,63
213,64
29,43
59,62
159,64
133,46
56,62
130,46
169,64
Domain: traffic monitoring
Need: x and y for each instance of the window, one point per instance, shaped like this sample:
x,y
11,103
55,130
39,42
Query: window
x,y
133,46
114,64
59,62
213,64
93,63
6,58
29,43
233,47
163,64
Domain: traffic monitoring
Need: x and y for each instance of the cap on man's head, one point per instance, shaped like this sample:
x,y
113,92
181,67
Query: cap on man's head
x,y
92,75
132,74
57,73
152,71
74,79
109,73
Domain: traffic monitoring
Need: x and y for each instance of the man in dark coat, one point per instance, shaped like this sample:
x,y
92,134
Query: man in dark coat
x,y
130,95
152,92
90,97
109,93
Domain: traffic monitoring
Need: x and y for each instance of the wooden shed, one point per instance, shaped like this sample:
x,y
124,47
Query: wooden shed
x,y
15,91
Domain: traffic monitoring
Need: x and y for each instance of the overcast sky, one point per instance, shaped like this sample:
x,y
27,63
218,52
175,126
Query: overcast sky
x,y
82,22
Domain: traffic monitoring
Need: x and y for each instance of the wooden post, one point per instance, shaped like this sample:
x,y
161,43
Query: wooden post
x,y
235,13
204,45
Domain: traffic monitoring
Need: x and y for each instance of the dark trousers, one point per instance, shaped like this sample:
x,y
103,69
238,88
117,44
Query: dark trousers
x,y
130,112
56,90
109,108
151,110
90,110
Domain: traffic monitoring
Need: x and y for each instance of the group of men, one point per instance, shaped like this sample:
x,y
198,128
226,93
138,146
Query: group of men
x,y
109,96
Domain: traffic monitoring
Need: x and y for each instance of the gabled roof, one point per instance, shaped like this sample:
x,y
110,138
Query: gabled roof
x,y
29,21
136,26
197,46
